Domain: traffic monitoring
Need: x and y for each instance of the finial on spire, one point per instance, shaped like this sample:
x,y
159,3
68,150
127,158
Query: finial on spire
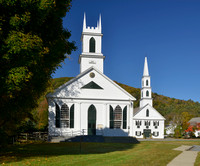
x,y
146,71
100,22
84,22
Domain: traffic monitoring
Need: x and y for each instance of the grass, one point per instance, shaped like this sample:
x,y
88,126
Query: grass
x,y
98,154
197,163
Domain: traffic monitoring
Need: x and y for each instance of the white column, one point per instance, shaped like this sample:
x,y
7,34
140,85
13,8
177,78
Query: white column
x,y
131,119
80,115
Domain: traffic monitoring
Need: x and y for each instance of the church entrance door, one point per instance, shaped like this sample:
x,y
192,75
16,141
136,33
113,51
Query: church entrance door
x,y
92,120
147,133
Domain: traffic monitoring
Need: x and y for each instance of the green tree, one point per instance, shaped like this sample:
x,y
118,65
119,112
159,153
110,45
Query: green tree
x,y
33,43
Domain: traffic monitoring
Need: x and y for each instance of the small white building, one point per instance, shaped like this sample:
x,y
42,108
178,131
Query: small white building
x,y
147,121
93,104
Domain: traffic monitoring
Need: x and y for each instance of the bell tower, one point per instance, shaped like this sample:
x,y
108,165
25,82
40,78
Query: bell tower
x,y
146,93
91,47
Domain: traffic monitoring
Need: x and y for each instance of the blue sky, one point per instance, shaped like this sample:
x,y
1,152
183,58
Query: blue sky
x,y
166,31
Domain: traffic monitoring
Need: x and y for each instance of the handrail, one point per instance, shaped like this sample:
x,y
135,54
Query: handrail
x,y
79,132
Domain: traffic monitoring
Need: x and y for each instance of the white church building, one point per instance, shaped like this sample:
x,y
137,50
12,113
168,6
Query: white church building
x,y
93,104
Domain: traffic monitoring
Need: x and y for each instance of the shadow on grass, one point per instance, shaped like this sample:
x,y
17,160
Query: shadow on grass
x,y
24,151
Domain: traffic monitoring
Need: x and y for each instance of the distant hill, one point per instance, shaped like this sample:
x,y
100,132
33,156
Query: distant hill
x,y
168,107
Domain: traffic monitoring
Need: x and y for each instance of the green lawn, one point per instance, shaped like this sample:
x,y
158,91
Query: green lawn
x,y
144,153
197,163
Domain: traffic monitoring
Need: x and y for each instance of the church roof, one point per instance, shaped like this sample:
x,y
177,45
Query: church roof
x,y
194,121
138,110
125,93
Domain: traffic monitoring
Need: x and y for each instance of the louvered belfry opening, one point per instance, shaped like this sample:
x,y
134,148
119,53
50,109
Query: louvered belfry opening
x,y
64,116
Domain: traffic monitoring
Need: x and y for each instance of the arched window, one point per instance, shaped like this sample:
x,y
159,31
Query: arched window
x,y
57,116
72,116
147,93
92,120
147,83
64,116
117,117
111,118
147,113
92,45
125,118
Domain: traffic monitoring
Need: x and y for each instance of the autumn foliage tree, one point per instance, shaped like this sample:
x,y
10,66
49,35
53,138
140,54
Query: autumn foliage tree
x,y
33,43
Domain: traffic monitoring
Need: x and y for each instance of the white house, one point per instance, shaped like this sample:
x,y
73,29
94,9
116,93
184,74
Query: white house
x,y
93,104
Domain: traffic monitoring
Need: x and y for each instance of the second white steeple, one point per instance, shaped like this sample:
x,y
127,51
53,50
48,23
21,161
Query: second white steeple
x,y
146,93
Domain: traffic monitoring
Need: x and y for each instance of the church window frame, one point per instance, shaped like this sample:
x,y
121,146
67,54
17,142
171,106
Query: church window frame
x,y
156,124
147,82
147,124
64,116
138,123
147,93
116,117
147,113
155,133
138,133
92,45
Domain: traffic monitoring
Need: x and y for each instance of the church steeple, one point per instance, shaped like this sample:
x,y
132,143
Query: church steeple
x,y
99,24
146,93
84,23
91,47
146,70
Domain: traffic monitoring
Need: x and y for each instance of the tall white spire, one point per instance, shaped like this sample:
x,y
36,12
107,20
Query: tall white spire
x,y
146,71
100,22
84,23
146,93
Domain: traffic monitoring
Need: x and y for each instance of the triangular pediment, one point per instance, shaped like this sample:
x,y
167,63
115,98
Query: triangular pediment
x,y
140,113
102,88
91,85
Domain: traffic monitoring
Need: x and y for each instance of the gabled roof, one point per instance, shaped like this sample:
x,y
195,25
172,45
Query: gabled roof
x,y
84,73
138,110
194,121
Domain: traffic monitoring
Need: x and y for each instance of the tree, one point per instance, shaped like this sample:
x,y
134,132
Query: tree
x,y
33,43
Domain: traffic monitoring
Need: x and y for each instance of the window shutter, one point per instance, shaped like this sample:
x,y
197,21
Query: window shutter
x,y
57,116
111,117
72,116
125,117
